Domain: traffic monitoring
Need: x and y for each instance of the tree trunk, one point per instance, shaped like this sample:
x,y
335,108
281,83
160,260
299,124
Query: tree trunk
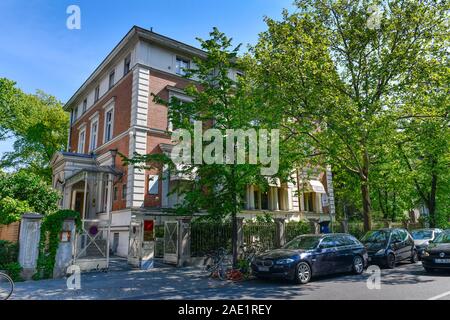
x,y
366,206
234,226
432,201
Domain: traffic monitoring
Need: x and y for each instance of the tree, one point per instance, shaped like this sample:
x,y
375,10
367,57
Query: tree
x,y
38,124
330,73
221,104
23,192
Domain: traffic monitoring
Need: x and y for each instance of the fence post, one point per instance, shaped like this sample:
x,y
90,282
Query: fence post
x,y
184,241
63,257
240,231
314,226
30,235
280,232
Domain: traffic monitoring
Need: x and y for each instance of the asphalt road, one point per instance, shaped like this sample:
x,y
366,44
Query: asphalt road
x,y
405,282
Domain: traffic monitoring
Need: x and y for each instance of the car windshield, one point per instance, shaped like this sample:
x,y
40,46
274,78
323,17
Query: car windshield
x,y
422,234
304,243
443,238
379,236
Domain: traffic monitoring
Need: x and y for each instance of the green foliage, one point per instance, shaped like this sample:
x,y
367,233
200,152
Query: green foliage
x,y
9,253
266,217
22,192
11,210
38,124
49,241
294,229
322,67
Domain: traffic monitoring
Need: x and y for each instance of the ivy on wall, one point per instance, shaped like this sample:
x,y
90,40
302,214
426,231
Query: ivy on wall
x,y
50,237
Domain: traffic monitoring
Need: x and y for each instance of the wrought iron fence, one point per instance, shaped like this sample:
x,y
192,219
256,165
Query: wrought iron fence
x,y
208,236
262,232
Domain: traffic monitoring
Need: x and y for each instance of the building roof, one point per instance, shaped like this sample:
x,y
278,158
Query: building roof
x,y
139,33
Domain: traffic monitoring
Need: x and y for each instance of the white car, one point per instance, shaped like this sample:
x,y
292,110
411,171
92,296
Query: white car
x,y
423,237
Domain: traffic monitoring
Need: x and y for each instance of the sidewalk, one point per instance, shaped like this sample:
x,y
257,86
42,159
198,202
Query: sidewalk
x,y
154,283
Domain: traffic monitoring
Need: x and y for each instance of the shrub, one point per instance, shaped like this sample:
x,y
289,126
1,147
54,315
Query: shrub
x,y
9,253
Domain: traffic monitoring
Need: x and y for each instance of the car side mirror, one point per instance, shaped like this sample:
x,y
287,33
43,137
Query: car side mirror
x,y
319,248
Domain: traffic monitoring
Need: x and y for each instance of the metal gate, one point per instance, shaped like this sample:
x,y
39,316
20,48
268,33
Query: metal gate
x,y
171,242
135,244
92,245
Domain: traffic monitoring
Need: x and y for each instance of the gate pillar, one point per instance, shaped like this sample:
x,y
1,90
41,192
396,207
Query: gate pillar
x,y
184,241
30,234
280,236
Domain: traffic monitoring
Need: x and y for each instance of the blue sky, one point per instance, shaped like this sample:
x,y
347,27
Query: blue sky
x,y
39,52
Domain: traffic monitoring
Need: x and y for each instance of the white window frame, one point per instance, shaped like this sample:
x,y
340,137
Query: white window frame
x,y
126,61
153,184
108,109
179,69
81,142
183,98
111,83
96,93
93,142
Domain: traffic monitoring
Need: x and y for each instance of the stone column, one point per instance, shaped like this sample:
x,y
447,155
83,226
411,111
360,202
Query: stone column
x,y
280,232
30,234
314,226
184,241
275,206
65,249
251,198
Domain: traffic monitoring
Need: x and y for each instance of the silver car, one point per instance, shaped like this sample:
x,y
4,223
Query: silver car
x,y
423,237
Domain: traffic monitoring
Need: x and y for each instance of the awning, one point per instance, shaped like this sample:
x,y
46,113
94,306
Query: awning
x,y
315,186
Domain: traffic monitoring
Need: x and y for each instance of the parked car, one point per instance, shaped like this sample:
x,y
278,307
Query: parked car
x,y
311,255
386,247
437,254
423,237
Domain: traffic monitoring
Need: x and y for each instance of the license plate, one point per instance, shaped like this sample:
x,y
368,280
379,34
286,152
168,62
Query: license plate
x,y
442,260
264,269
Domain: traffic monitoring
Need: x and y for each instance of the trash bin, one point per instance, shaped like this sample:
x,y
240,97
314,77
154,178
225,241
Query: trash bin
x,y
324,226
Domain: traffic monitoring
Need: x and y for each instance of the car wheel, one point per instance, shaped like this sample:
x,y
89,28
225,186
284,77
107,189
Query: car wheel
x,y
414,257
429,270
303,273
390,261
358,265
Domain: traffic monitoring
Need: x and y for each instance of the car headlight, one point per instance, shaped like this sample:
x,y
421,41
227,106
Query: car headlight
x,y
284,261
425,254
380,252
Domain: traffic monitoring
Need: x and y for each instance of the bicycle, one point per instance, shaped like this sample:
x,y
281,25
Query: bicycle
x,y
6,286
214,264
247,254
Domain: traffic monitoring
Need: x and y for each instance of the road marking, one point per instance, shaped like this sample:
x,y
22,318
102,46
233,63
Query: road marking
x,y
440,296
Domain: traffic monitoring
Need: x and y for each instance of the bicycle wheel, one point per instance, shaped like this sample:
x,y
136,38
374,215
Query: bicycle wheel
x,y
6,286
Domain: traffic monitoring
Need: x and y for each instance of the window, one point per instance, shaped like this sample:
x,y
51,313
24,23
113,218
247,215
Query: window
x,y
96,93
124,191
94,134
81,140
84,105
126,65
153,184
181,66
309,201
72,116
328,242
109,124
115,193
75,114
111,79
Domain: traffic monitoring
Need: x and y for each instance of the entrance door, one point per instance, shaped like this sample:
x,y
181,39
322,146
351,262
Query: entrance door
x,y
79,202
171,242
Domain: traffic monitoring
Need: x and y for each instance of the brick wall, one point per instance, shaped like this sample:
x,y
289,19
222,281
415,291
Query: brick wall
x,y
10,232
